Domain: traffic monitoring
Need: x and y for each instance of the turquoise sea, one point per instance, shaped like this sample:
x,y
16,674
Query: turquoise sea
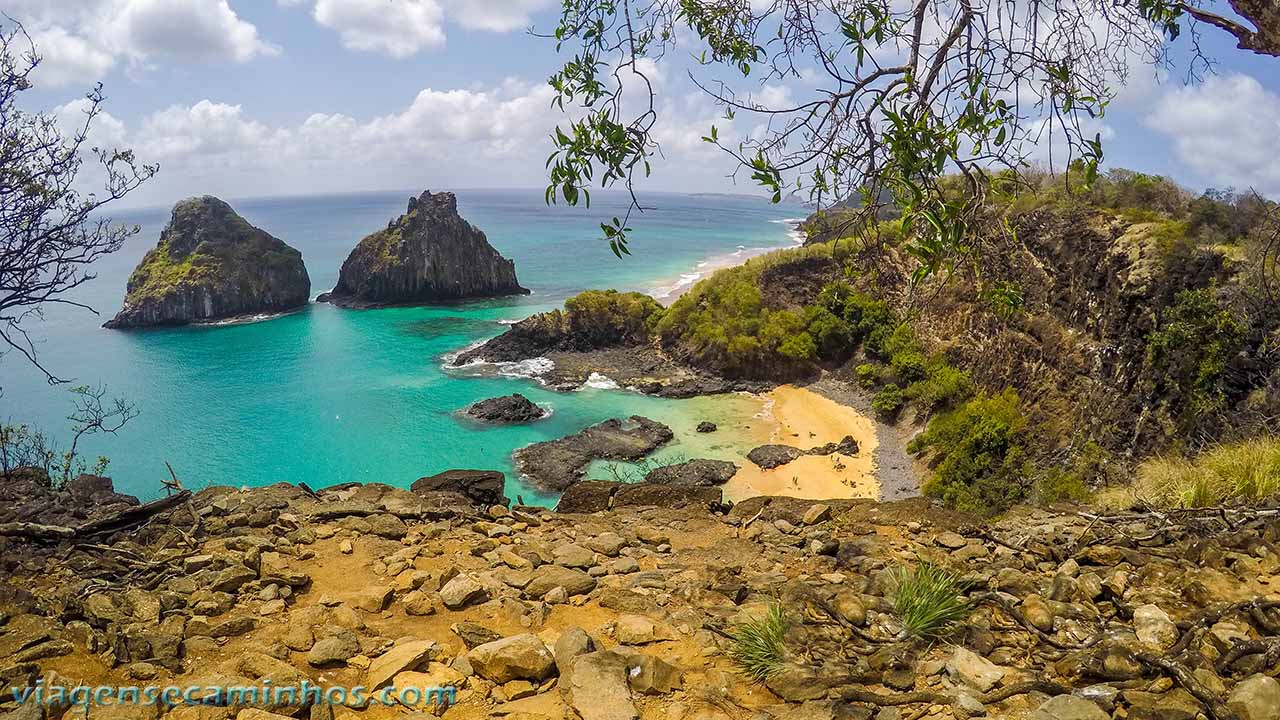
x,y
328,395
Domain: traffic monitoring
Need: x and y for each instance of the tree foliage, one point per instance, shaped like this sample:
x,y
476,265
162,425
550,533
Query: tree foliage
x,y
50,231
908,92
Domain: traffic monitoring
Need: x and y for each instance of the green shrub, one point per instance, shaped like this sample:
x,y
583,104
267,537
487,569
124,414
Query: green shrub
x,y
832,334
943,387
928,600
888,402
1058,485
602,315
979,454
758,648
909,366
867,374
1187,355
864,315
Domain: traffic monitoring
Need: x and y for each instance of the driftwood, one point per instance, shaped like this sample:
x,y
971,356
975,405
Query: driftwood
x,y
111,523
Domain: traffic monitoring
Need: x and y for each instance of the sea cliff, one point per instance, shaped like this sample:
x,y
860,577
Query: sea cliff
x,y
211,264
429,254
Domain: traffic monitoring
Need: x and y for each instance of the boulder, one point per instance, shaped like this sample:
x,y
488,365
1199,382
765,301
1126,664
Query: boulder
x,y
429,254
1069,707
596,687
1154,627
520,657
1255,698
557,464
211,264
669,496
484,487
461,591
514,408
768,457
973,670
706,427
549,577
405,656
697,473
588,496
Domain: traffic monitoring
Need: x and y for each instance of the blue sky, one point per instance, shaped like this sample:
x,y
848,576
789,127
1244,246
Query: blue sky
x,y
278,97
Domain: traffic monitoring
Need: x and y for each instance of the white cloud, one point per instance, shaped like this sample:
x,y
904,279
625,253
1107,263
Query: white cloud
x,y
405,27
472,137
81,41
495,15
201,30
1226,129
67,59
399,29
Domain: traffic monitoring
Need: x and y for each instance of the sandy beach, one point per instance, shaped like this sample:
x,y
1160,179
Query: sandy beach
x,y
803,418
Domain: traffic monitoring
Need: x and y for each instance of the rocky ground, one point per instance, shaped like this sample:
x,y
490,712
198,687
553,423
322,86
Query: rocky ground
x,y
629,613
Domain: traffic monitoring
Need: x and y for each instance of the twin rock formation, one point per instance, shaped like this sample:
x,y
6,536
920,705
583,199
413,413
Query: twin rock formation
x,y
211,264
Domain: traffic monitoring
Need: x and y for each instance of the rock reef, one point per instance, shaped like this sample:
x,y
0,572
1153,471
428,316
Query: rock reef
x,y
557,464
211,264
514,408
429,254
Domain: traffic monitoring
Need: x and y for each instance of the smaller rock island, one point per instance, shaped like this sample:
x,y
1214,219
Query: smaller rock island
x,y
211,264
429,254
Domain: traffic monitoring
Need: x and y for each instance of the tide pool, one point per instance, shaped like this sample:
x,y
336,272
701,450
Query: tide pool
x,y
328,395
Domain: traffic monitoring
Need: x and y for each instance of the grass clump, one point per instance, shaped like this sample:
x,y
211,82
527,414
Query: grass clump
x,y
1243,473
758,646
979,460
928,600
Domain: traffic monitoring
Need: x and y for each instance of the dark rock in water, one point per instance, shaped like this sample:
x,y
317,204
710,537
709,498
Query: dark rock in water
x,y
429,254
694,473
772,456
211,264
514,408
706,427
557,464
846,446
486,487
649,494
588,496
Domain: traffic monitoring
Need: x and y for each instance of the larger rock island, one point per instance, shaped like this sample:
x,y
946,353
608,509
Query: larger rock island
x,y
211,264
429,254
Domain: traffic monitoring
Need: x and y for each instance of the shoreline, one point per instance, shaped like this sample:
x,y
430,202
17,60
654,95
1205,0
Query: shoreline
x,y
669,290
803,418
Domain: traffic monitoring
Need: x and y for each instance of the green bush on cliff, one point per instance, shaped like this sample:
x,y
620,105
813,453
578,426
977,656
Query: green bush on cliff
x,y
888,402
1187,355
609,314
943,386
979,454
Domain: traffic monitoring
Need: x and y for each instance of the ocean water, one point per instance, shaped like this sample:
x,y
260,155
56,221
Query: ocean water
x,y
328,395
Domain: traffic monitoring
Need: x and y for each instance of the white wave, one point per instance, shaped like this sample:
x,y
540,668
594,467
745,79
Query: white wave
x,y
600,382
508,322
448,358
784,221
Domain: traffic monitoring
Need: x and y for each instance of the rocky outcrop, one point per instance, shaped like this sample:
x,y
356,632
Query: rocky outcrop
x,y
211,264
557,464
514,408
697,473
769,457
429,254
485,487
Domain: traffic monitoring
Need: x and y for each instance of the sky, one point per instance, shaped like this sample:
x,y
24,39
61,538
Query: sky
x,y
244,98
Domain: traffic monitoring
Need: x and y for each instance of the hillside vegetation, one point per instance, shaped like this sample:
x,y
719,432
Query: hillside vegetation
x,y
1086,330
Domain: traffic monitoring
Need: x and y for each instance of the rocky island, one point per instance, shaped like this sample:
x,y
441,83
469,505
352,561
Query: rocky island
x,y
429,254
211,264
